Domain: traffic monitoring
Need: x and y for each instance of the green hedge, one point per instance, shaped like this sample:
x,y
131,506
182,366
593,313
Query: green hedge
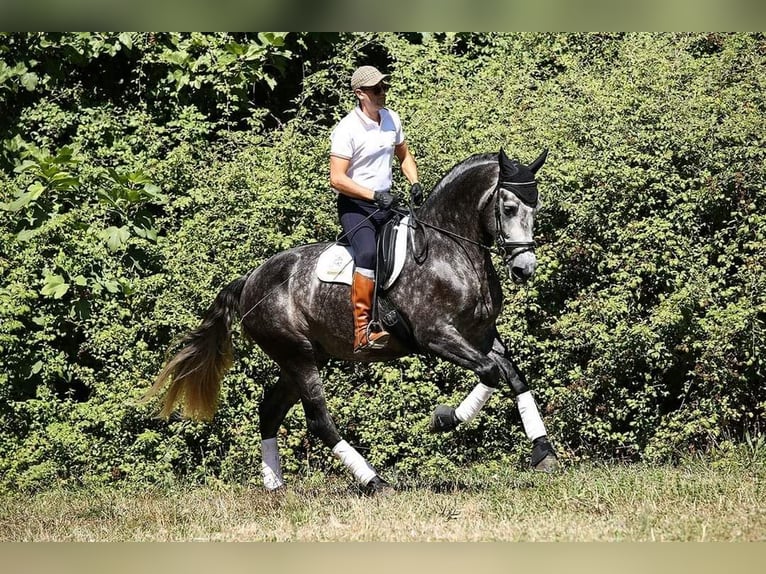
x,y
142,172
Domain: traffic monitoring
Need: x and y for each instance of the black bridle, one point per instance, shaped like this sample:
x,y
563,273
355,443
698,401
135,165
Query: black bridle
x,y
510,249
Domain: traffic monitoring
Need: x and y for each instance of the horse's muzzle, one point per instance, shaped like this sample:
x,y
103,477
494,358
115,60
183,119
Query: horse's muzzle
x,y
522,267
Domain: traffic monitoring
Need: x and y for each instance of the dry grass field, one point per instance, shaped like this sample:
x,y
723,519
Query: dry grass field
x,y
695,501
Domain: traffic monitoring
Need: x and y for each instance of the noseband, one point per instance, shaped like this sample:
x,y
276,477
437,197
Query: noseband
x,y
509,249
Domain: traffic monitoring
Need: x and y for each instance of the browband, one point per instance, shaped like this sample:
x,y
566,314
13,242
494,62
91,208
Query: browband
x,y
526,192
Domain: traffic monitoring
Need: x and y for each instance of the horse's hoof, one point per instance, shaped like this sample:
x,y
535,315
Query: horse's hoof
x,y
549,464
279,490
378,487
443,419
543,457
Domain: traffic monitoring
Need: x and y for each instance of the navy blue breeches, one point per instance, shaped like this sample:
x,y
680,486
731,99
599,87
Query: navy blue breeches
x,y
361,221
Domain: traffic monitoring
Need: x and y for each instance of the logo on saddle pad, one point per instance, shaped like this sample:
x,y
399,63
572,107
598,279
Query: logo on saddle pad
x,y
336,264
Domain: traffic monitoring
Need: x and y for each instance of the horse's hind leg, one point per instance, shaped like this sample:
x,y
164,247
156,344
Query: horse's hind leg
x,y
277,402
305,373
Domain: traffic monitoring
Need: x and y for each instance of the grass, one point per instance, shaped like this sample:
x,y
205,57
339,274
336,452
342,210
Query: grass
x,y
692,502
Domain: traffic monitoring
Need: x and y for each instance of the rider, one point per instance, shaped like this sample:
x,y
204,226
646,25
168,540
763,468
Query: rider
x,y
361,154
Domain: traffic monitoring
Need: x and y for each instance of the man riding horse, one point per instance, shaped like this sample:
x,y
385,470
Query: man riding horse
x,y
363,145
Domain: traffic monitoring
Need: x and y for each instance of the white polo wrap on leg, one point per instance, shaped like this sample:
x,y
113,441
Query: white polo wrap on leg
x,y
473,403
354,461
271,469
530,416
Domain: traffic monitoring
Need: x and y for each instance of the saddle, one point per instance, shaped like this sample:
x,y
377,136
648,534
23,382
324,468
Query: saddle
x,y
336,265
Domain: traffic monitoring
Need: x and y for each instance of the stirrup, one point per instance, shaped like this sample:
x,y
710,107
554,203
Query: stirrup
x,y
379,343
383,336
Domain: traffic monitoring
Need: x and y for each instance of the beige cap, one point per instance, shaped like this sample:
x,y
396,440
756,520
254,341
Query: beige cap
x,y
366,76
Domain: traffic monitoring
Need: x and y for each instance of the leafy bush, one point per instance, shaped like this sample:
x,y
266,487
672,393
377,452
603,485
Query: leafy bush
x,y
142,172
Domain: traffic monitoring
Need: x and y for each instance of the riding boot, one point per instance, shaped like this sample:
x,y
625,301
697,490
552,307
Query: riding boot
x,y
362,292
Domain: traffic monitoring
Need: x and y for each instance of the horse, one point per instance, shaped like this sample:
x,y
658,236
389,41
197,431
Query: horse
x,y
450,297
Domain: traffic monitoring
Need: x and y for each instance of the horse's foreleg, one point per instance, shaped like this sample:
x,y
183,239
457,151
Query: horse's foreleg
x,y
453,347
491,369
543,455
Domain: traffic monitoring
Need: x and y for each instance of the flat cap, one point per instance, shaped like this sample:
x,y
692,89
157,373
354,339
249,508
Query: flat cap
x,y
366,76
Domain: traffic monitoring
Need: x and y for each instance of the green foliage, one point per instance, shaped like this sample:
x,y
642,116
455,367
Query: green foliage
x,y
142,172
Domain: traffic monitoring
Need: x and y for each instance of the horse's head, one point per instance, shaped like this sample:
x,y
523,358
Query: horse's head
x,y
516,203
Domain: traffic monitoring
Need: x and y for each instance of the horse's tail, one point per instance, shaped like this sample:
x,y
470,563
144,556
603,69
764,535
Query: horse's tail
x,y
195,372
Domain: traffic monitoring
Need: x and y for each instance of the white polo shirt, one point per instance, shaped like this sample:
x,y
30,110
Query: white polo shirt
x,y
369,146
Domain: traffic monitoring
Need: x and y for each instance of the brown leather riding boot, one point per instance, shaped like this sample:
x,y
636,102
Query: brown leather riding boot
x,y
362,292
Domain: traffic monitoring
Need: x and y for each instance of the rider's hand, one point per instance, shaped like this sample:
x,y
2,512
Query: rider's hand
x,y
416,193
384,200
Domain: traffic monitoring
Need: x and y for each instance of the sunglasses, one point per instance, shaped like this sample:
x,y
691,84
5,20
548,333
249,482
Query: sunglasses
x,y
377,89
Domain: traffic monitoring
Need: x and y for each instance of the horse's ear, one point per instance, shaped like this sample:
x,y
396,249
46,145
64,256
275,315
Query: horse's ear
x,y
538,163
507,168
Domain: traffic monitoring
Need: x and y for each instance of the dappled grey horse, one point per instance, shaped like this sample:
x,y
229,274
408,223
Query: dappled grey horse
x,y
450,297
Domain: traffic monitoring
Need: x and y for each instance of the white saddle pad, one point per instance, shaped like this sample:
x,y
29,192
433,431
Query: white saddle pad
x,y
336,264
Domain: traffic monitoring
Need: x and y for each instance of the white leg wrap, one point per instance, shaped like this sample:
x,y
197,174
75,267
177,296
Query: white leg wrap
x,y
473,403
530,416
354,461
271,469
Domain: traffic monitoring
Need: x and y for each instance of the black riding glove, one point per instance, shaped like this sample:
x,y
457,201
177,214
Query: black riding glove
x,y
416,193
384,199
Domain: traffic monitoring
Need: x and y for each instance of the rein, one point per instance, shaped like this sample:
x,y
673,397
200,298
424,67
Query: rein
x,y
504,248
508,250
418,223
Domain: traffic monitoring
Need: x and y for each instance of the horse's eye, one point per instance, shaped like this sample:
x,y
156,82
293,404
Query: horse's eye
x,y
511,210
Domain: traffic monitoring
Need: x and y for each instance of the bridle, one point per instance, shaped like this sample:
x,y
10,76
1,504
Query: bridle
x,y
509,249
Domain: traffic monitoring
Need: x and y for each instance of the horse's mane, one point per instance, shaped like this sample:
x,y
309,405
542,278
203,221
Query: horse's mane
x,y
459,170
